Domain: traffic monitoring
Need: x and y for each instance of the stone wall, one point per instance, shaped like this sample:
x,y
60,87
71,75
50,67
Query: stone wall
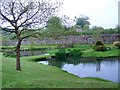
x,y
85,39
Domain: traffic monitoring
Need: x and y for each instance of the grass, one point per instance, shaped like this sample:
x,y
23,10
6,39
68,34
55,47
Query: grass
x,y
85,48
0,71
91,53
109,53
34,75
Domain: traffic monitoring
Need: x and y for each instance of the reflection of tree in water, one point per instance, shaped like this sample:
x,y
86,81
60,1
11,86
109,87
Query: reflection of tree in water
x,y
98,64
56,63
85,61
73,61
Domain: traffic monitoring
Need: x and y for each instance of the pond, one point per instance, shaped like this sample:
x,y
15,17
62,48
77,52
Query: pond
x,y
105,68
27,53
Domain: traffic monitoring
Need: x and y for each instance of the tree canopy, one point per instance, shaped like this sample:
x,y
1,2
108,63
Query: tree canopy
x,y
54,27
82,21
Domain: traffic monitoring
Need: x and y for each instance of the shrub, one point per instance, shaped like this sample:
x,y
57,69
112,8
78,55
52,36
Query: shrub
x,y
117,44
99,43
60,55
75,53
99,46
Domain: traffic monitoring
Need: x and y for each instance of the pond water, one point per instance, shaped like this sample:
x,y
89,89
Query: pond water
x,y
27,53
106,68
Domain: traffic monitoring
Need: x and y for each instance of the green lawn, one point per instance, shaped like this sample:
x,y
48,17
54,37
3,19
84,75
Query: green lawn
x,y
34,75
109,53
0,71
86,49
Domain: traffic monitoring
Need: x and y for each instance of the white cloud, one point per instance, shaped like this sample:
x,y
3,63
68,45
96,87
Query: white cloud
x,y
101,12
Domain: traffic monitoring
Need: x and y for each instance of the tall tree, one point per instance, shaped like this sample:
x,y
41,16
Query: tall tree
x,y
16,15
55,27
82,21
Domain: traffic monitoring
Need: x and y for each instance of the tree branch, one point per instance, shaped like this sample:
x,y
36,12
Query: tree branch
x,y
27,19
27,36
10,21
8,30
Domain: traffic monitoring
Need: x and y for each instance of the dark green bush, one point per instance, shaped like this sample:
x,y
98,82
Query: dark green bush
x,y
75,53
99,46
60,55
99,43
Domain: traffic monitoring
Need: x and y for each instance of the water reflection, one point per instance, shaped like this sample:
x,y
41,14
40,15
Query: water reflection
x,y
57,63
74,62
106,68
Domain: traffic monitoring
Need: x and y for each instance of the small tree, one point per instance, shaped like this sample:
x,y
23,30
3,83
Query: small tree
x,y
16,15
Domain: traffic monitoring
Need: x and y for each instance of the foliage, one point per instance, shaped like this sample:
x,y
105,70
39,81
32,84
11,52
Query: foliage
x,y
97,28
117,44
54,23
99,43
75,53
99,46
54,27
82,21
61,54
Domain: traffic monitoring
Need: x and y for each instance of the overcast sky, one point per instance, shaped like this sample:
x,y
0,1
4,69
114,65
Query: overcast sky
x,y
101,12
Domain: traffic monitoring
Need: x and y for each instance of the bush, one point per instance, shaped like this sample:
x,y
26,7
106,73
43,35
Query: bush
x,y
99,46
60,55
99,43
117,44
75,53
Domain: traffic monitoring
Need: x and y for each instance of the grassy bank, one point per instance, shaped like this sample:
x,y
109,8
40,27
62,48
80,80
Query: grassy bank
x,y
99,54
91,53
0,71
34,75
86,50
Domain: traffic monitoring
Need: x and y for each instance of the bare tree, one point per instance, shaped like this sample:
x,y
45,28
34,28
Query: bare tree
x,y
16,15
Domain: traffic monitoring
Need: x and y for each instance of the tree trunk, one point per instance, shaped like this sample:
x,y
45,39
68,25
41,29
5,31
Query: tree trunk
x,y
18,66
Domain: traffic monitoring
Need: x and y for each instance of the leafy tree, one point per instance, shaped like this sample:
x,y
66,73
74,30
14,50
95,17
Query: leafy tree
x,y
54,23
82,21
54,27
17,15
